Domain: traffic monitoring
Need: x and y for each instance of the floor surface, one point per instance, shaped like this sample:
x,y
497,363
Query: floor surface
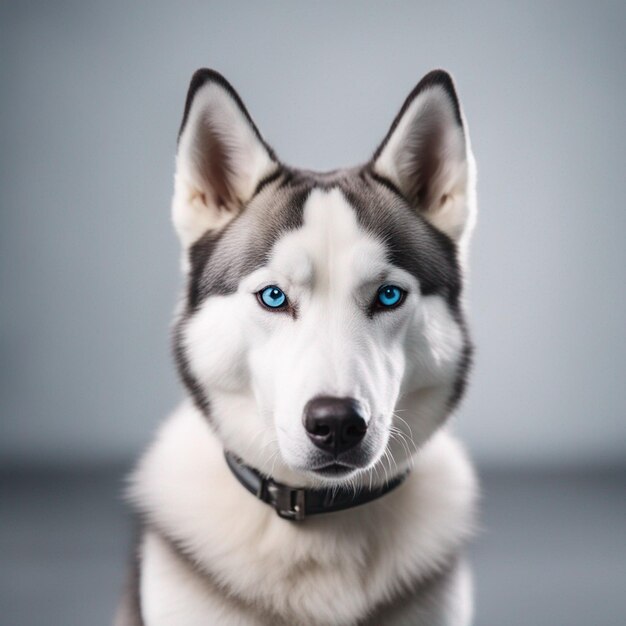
x,y
552,550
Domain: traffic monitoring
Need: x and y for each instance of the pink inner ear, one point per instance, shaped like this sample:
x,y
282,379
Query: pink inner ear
x,y
421,160
214,164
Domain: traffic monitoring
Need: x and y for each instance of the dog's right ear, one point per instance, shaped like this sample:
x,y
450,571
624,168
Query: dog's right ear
x,y
221,158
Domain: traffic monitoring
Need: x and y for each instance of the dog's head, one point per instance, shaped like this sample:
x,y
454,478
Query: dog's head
x,y
322,329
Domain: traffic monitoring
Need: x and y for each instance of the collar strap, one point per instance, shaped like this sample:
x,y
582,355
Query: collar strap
x,y
298,503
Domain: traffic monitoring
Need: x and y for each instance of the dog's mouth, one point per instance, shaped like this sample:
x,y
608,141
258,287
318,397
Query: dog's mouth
x,y
334,470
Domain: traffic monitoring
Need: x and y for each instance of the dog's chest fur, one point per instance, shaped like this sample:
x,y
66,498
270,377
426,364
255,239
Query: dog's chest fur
x,y
211,553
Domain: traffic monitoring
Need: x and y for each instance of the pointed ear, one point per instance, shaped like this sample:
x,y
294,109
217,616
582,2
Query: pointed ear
x,y
427,156
221,158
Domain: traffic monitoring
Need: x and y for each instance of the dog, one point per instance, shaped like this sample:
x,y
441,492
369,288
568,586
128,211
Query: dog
x,y
310,476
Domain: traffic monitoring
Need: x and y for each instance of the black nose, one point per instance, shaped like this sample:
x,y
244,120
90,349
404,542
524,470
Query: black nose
x,y
334,424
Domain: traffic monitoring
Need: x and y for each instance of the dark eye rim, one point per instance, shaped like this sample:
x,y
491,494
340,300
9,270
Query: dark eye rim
x,y
378,307
285,306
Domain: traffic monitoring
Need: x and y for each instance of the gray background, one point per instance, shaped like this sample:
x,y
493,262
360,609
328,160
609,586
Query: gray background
x,y
92,95
91,98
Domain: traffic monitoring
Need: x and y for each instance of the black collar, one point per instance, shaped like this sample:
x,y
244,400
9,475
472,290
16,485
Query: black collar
x,y
295,503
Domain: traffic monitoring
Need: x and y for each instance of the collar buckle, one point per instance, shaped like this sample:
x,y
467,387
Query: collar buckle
x,y
288,502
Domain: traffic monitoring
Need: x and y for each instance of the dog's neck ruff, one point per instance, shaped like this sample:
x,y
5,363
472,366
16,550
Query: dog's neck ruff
x,y
298,503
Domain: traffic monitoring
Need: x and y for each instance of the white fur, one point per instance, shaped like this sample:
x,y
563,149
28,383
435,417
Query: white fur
x,y
328,570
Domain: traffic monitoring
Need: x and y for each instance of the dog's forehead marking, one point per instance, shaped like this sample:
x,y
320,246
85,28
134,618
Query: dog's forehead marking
x,y
331,246
347,208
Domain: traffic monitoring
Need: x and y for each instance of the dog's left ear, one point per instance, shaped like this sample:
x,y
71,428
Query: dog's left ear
x,y
221,158
426,155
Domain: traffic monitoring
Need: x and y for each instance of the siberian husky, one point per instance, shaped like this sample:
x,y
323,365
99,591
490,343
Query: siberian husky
x,y
310,477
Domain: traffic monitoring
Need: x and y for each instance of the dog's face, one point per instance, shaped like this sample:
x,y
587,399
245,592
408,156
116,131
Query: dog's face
x,y
322,332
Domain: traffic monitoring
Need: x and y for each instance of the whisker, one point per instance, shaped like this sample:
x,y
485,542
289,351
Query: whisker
x,y
394,436
385,469
391,457
399,436
405,423
409,434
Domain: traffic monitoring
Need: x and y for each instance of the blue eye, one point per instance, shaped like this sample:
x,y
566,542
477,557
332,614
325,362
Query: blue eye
x,y
389,296
272,297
